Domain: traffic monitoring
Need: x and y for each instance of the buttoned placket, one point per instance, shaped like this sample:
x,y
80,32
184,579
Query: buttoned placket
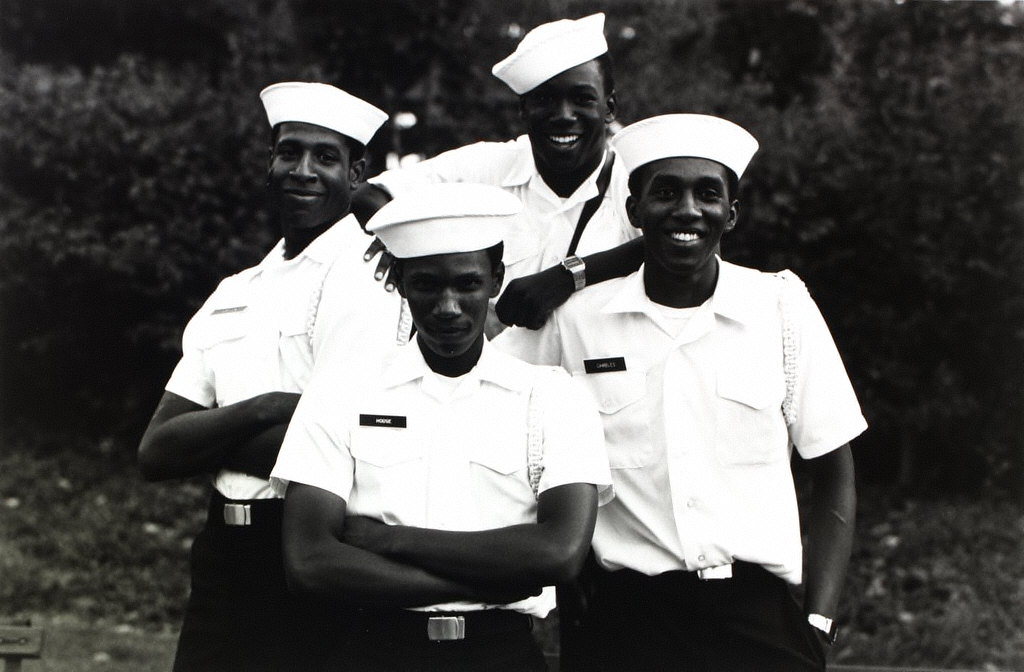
x,y
448,468
692,522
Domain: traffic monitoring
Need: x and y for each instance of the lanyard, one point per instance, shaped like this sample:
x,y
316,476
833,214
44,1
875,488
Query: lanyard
x,y
590,207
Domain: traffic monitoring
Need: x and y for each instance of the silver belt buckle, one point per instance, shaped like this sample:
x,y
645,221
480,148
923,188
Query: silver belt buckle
x,y
446,628
237,514
711,573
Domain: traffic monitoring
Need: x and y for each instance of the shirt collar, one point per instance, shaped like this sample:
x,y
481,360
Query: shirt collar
x,y
731,299
524,169
408,365
322,249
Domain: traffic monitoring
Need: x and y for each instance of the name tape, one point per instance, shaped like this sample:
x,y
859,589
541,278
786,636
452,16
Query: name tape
x,y
367,420
604,365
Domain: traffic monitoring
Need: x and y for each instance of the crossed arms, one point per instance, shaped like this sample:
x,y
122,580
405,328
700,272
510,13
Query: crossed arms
x,y
185,438
365,562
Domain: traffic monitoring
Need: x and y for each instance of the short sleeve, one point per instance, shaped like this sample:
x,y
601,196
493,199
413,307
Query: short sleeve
x,y
481,162
192,378
828,414
315,450
536,346
574,450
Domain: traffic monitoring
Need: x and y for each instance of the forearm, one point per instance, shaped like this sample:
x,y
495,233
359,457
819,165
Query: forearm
x,y
830,525
343,573
614,263
318,564
184,439
258,455
544,553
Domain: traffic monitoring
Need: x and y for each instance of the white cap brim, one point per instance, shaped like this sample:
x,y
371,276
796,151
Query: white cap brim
x,y
685,135
323,105
551,49
444,219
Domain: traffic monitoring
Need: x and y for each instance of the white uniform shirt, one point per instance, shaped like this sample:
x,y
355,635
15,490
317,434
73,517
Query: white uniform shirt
x,y
252,335
697,442
540,237
409,447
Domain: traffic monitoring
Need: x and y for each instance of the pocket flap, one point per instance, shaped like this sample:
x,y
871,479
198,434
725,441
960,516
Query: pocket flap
x,y
383,446
613,391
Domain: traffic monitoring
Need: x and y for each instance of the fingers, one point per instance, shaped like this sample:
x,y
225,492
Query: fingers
x,y
375,247
384,264
384,269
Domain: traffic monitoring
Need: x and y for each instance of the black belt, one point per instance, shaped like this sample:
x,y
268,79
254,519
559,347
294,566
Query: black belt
x,y
441,626
224,512
628,578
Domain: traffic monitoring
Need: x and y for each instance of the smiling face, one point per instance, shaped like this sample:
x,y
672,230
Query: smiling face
x,y
448,297
311,176
565,119
683,206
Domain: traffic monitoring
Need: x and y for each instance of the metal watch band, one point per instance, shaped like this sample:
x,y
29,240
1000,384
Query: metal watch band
x,y
578,269
826,625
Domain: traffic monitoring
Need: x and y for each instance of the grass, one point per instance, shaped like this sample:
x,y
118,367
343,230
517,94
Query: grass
x,y
100,559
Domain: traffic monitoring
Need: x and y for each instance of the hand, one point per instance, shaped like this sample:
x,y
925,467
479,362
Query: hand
x,y
529,301
384,264
366,533
275,407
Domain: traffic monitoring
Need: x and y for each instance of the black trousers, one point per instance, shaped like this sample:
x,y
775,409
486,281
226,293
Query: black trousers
x,y
396,641
675,621
240,615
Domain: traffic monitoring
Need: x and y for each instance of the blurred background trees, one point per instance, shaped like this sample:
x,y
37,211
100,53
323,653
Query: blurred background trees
x,y
890,177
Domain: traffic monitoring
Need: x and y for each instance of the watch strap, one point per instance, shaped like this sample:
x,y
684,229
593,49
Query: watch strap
x,y
578,269
826,625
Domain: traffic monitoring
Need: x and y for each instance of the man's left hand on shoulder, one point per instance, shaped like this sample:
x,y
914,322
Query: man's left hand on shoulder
x,y
530,300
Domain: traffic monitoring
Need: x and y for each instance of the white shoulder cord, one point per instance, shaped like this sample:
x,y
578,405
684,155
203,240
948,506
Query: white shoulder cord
x,y
314,306
534,438
790,345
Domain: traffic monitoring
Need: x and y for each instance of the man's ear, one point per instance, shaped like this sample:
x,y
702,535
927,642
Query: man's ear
x,y
498,278
611,108
355,173
631,211
734,212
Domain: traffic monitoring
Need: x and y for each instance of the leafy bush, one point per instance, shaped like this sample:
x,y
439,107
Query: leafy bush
x,y
890,178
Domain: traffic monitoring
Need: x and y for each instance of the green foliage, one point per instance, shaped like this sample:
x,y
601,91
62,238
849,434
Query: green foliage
x,y
889,178
921,594
82,534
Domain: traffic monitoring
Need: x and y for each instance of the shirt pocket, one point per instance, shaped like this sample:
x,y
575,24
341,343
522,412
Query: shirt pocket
x,y
500,481
750,426
294,348
226,343
389,474
621,398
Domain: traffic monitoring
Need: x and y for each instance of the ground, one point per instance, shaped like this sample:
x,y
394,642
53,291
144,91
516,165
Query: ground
x,y
98,557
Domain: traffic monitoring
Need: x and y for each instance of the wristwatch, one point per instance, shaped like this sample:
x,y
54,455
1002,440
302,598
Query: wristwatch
x,y
826,625
578,269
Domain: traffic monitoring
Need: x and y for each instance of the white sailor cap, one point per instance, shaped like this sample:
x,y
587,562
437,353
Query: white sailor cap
x,y
444,219
685,135
323,105
550,49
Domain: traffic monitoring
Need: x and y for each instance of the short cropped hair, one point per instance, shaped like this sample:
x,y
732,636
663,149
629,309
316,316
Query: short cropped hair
x,y
494,255
732,182
356,149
